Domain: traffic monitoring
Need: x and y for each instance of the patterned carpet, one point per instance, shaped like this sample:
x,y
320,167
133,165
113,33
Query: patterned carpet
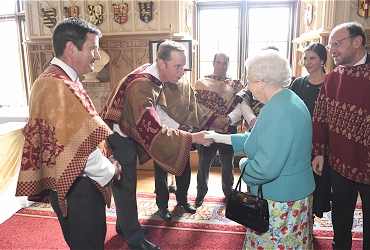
x,y
210,217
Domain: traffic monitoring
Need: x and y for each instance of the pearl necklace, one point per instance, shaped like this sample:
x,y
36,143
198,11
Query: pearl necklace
x,y
277,91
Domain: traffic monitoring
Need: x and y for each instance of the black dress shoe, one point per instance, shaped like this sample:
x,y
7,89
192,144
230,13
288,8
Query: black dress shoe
x,y
143,245
120,232
187,207
165,214
172,189
198,202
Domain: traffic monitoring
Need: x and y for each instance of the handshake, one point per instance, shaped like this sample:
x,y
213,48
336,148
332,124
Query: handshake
x,y
206,138
219,138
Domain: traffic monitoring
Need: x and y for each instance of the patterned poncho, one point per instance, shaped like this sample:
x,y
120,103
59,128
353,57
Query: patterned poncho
x,y
132,106
62,130
216,95
341,122
178,101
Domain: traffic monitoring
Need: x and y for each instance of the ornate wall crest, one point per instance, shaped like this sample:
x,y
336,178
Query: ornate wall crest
x,y
48,16
308,14
146,11
71,12
96,14
120,12
363,8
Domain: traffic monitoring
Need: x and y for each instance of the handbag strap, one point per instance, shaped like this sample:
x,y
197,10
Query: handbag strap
x,y
239,185
260,194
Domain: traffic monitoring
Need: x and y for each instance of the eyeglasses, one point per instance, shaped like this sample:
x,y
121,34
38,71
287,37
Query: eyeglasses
x,y
336,43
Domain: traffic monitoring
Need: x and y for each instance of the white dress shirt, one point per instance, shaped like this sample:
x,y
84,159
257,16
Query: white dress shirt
x,y
242,110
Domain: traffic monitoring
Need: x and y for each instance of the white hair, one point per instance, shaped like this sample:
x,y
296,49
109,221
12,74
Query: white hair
x,y
271,67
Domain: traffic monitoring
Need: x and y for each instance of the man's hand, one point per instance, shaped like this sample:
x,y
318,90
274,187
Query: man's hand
x,y
164,129
198,138
118,168
184,127
318,164
221,121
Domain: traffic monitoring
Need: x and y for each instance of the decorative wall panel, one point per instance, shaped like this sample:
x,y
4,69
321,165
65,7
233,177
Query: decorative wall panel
x,y
163,13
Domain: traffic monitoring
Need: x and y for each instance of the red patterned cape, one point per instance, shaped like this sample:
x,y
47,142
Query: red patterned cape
x,y
216,95
62,130
132,106
341,122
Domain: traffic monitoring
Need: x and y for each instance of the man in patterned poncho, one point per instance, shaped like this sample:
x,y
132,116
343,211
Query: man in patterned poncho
x,y
61,161
341,130
216,96
130,112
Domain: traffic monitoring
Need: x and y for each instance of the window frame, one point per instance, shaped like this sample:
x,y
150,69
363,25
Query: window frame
x,y
20,20
292,7
241,5
243,42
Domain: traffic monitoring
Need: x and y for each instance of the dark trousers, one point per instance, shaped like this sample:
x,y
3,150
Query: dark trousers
x,y
124,190
322,193
344,197
206,157
161,185
85,225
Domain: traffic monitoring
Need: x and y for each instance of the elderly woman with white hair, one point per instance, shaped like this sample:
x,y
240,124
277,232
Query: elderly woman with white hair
x,y
278,151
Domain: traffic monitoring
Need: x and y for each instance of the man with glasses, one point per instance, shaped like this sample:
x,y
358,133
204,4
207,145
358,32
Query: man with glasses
x,y
341,130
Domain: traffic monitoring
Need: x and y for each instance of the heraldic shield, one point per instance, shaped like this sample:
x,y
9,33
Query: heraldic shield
x,y
146,11
71,11
96,14
363,8
120,12
48,16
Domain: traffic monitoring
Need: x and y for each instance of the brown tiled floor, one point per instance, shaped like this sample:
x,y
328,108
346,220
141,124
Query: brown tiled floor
x,y
145,182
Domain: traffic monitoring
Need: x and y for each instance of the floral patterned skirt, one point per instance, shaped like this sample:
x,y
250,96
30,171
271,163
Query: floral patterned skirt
x,y
291,226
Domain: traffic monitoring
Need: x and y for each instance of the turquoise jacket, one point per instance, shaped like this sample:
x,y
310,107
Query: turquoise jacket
x,y
278,150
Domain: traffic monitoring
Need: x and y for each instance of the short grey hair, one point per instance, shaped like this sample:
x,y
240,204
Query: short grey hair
x,y
271,67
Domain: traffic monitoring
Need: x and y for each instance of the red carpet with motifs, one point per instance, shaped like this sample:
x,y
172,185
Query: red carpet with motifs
x,y
207,229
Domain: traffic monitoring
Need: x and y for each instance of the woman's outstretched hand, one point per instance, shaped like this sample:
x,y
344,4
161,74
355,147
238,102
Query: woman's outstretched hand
x,y
219,138
200,138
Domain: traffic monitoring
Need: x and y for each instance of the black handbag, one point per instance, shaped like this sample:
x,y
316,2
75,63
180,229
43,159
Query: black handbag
x,y
247,209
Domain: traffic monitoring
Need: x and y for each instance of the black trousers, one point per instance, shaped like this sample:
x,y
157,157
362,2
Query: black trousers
x,y
85,225
124,190
206,157
344,197
161,185
322,193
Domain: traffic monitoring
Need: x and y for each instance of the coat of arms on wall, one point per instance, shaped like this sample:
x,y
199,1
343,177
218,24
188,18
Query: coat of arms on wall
x,y
95,14
363,8
48,16
120,12
308,15
146,11
71,11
